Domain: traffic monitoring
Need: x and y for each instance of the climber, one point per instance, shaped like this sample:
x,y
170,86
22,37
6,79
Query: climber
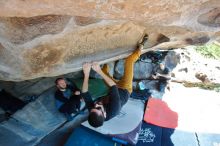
x,y
119,91
67,97
162,74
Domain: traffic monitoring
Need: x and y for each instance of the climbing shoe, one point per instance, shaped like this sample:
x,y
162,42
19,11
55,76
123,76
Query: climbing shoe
x,y
144,40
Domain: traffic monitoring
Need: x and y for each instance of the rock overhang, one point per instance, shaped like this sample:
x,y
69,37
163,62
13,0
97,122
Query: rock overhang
x,y
51,38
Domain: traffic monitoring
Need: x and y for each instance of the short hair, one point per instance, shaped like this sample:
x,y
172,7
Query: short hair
x,y
95,119
57,80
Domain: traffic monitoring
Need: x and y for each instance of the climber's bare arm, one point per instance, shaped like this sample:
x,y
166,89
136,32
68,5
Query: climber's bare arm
x,y
96,67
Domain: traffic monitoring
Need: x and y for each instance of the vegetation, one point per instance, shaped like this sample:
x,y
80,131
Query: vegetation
x,y
202,85
207,86
210,50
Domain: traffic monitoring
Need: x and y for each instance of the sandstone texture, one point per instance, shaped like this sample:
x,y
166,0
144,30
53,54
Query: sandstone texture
x,y
53,37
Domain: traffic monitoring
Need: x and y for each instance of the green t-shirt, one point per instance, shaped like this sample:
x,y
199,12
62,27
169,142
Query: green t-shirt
x,y
97,87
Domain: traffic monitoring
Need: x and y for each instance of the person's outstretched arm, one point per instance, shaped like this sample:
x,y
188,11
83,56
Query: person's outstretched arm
x,y
85,94
86,71
114,105
96,67
167,76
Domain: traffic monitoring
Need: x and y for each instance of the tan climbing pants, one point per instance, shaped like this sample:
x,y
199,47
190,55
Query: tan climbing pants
x,y
126,81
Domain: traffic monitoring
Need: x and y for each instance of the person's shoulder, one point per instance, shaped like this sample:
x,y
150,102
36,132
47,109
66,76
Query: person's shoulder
x,y
113,88
57,90
57,93
70,86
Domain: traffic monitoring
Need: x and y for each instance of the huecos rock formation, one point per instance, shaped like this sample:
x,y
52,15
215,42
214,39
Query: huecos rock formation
x,y
54,37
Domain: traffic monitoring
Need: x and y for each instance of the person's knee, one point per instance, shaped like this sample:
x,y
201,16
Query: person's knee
x,y
132,59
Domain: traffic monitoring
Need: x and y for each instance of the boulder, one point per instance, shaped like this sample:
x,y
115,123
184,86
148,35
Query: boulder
x,y
142,69
52,38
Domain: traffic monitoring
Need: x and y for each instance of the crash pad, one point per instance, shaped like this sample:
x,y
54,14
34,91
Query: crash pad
x,y
83,136
149,135
158,113
152,135
126,125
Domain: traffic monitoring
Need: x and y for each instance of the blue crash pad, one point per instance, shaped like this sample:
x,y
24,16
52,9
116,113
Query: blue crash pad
x,y
152,135
83,136
171,137
149,135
